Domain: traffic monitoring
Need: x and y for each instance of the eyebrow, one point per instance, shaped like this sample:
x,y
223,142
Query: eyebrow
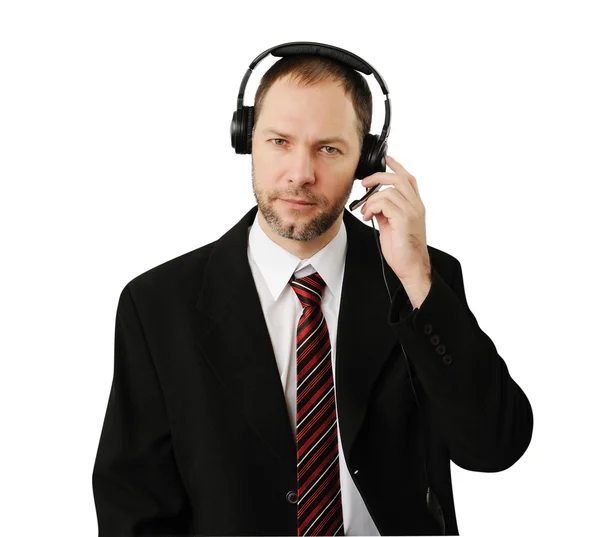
x,y
324,141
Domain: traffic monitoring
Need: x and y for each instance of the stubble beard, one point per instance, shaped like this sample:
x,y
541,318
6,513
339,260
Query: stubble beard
x,y
314,227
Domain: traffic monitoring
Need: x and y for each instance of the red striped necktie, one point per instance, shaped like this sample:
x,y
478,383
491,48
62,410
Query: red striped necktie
x,y
319,493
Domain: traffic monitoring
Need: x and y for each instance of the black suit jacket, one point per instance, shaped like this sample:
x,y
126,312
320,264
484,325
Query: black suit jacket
x,y
197,440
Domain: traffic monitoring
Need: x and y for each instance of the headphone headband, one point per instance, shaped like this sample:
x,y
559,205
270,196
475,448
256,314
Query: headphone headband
x,y
329,51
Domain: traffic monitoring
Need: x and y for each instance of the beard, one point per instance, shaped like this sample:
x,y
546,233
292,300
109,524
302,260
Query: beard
x,y
314,227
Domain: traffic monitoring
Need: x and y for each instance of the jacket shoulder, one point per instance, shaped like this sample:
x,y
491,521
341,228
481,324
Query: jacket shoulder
x,y
173,273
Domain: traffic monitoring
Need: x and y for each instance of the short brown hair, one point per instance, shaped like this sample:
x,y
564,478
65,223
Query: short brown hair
x,y
308,69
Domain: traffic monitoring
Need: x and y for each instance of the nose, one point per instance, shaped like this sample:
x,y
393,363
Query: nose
x,y
300,167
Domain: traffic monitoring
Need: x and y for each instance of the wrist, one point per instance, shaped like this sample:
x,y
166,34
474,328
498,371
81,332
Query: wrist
x,y
417,287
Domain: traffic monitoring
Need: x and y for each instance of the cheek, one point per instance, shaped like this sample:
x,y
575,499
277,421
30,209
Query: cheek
x,y
341,172
267,163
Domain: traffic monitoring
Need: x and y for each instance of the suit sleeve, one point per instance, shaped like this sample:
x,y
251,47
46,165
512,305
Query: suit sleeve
x,y
136,485
481,412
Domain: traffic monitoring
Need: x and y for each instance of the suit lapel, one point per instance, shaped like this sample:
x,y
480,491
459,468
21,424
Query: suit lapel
x,y
232,335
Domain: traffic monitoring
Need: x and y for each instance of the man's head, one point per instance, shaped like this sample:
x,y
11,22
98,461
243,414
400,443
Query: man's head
x,y
311,115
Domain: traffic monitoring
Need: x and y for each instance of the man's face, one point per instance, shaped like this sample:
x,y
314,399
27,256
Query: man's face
x,y
295,156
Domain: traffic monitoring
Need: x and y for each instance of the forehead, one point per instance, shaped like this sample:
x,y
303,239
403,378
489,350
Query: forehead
x,y
323,106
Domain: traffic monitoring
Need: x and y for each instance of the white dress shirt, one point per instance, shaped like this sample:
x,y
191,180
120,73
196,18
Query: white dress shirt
x,y
272,267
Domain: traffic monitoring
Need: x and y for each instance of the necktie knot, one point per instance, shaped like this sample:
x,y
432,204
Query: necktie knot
x,y
309,289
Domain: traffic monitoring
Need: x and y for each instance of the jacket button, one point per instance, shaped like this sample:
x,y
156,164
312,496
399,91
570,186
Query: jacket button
x,y
435,339
447,359
428,329
440,349
291,497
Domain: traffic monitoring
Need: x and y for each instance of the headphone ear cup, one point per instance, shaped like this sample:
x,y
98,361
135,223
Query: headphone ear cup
x,y
241,130
379,155
249,127
366,162
234,129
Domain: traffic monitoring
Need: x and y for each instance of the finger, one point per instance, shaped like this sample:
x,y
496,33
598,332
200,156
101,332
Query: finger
x,y
385,206
390,195
413,182
398,168
382,178
394,164
401,183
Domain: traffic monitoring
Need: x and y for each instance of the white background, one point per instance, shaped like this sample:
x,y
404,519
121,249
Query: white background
x,y
115,156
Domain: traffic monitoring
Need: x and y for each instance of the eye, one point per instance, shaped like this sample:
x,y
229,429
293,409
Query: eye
x,y
331,152
277,140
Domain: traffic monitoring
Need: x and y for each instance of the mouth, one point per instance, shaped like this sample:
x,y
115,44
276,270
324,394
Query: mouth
x,y
298,204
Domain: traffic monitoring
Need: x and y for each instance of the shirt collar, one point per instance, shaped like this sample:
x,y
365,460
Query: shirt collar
x,y
277,264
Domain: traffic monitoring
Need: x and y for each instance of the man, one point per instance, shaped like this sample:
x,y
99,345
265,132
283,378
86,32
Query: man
x,y
213,425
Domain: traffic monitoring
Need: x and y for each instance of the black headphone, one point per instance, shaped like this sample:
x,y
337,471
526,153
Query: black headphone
x,y
372,160
374,147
